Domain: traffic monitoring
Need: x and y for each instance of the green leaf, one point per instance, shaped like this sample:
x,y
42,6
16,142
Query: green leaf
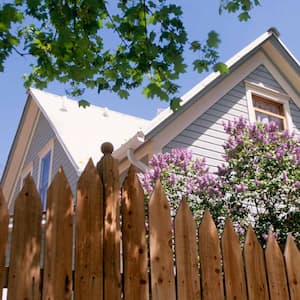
x,y
195,46
213,39
221,67
244,16
83,103
123,94
175,104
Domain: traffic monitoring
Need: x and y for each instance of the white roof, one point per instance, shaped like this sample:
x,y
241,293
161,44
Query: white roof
x,y
81,131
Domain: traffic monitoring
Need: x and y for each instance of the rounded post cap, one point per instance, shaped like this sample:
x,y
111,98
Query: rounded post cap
x,y
107,148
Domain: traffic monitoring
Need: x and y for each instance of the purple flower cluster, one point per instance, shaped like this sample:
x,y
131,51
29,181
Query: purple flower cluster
x,y
259,182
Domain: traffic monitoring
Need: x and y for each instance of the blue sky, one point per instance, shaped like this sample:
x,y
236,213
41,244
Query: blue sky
x,y
200,16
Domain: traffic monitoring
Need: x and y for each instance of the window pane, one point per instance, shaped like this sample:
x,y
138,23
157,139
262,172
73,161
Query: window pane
x,y
44,177
265,118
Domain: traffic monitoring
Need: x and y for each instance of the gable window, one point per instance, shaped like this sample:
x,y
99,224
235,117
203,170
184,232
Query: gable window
x,y
268,105
45,172
267,111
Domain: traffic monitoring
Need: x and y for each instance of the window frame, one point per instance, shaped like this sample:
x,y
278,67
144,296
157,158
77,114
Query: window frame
x,y
270,95
48,148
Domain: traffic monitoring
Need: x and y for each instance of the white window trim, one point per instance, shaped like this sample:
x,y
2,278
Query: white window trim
x,y
27,170
48,147
270,94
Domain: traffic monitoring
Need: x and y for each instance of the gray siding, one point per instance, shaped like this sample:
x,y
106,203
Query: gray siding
x,y
206,136
43,133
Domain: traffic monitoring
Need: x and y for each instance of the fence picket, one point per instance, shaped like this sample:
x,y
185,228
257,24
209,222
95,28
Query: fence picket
x,y
58,244
210,260
161,255
188,280
255,267
275,270
235,283
108,170
136,283
89,236
292,261
24,272
4,219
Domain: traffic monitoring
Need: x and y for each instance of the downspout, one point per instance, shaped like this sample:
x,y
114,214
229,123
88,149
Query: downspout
x,y
137,163
128,149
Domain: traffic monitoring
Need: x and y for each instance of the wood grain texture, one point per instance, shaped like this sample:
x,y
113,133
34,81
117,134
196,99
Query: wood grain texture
x,y
58,244
4,220
188,278
276,270
292,261
235,283
210,260
108,170
255,268
136,283
161,255
24,272
89,236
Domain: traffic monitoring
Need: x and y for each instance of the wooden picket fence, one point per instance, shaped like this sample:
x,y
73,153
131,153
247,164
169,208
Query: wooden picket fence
x,y
117,251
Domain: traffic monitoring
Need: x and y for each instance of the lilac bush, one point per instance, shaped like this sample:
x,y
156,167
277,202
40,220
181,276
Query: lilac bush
x,y
182,175
261,178
259,183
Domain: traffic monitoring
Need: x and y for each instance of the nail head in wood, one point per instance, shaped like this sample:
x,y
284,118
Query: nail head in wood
x,y
107,148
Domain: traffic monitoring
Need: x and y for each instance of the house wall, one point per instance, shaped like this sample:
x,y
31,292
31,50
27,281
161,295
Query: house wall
x,y
42,135
206,136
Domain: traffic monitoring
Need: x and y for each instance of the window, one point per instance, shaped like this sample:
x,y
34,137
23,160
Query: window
x,y
267,111
266,105
45,172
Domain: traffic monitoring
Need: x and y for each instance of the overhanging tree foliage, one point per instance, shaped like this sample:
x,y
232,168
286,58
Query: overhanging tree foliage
x,y
117,47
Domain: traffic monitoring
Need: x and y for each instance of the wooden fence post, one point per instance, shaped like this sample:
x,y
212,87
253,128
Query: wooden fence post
x,y
108,170
4,219
89,236
24,271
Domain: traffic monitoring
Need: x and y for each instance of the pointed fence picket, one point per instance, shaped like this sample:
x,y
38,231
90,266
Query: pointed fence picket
x,y
255,268
292,261
210,260
135,260
24,272
159,262
275,269
188,279
58,243
161,254
89,236
233,264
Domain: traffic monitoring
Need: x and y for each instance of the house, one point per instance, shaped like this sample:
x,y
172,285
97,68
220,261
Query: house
x,y
263,84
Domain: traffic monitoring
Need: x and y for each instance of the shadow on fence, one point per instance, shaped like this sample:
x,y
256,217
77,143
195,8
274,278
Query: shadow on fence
x,y
85,254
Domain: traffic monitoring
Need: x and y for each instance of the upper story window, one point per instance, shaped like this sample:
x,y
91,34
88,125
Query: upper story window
x,y
268,105
269,111
44,175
